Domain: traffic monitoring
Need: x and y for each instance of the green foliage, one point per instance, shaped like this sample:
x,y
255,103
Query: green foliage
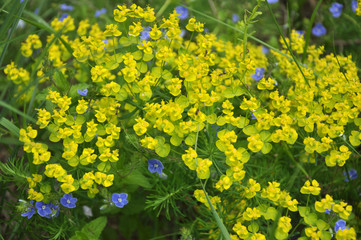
x,y
91,230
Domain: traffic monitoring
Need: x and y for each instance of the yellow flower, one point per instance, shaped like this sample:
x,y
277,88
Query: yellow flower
x,y
203,168
313,189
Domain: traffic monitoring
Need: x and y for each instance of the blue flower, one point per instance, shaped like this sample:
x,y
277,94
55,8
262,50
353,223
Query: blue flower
x,y
354,5
340,225
30,212
106,41
265,50
235,18
100,12
83,92
300,32
183,33
68,201
54,211
120,199
253,116
319,30
21,1
182,11
145,35
336,9
272,1
328,210
43,209
258,75
65,7
154,165
352,173
63,16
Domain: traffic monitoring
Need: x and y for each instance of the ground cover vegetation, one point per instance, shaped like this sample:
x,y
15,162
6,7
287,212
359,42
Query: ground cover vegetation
x,y
180,120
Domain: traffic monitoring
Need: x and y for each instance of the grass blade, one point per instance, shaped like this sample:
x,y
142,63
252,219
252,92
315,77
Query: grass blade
x,y
10,126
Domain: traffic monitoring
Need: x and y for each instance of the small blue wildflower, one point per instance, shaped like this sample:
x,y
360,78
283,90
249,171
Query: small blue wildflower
x,y
253,116
165,36
258,75
30,212
352,173
36,11
336,9
43,208
235,18
120,199
206,30
272,1
354,5
319,30
54,211
182,11
340,225
328,210
65,7
145,35
300,32
68,201
265,50
83,92
106,41
100,12
21,1
183,33
63,16
154,165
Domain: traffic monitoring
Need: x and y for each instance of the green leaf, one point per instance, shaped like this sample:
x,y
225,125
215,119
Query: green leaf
x,y
253,227
176,140
267,147
191,139
311,219
270,214
242,122
10,126
163,150
182,101
137,55
137,178
92,230
127,41
304,211
147,57
104,166
142,67
60,81
166,75
11,108
325,235
250,130
280,235
322,225
157,72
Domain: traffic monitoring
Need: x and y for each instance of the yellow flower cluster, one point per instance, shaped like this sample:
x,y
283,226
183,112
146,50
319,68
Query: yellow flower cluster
x,y
16,75
32,42
196,98
358,9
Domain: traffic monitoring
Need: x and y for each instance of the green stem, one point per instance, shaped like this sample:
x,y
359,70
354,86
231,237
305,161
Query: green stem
x,y
287,149
308,34
288,47
163,8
